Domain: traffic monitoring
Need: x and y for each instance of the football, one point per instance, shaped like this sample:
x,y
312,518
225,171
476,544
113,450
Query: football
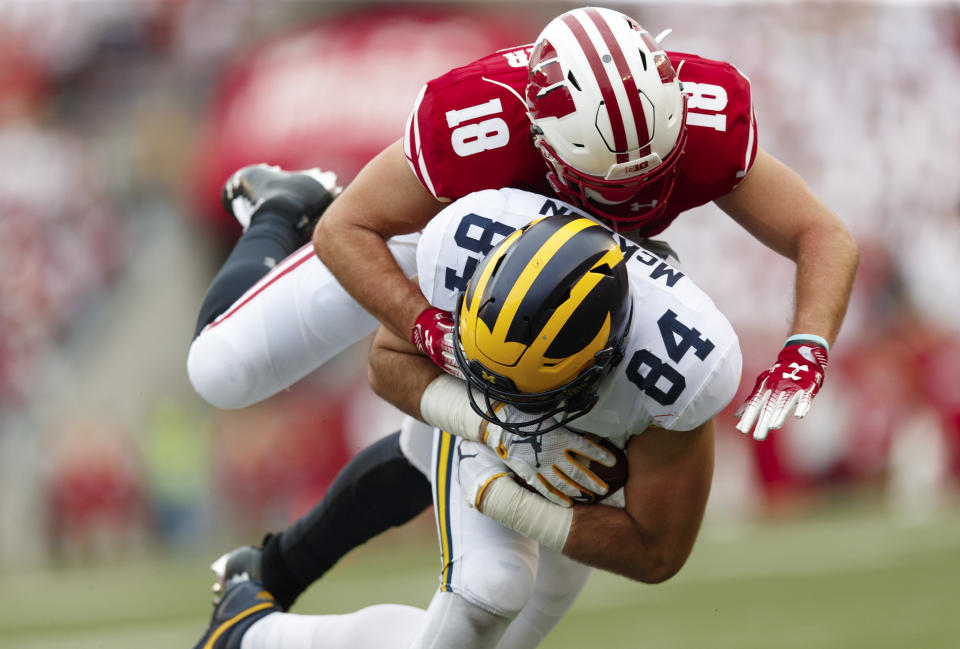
x,y
615,476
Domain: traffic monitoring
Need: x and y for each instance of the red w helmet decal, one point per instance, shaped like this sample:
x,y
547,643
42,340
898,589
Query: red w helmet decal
x,y
547,91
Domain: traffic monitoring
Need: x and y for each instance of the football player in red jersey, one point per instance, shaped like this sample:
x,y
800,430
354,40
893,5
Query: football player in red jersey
x,y
594,112
598,113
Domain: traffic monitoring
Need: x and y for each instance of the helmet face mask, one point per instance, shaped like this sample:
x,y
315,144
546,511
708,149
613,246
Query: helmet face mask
x,y
547,410
607,113
611,199
542,341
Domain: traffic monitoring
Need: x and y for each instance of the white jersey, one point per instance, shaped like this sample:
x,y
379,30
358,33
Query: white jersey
x,y
682,359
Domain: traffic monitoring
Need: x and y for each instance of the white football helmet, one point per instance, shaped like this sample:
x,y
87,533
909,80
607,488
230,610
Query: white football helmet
x,y
607,113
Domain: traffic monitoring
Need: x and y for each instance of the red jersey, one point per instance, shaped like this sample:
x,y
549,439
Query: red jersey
x,y
469,131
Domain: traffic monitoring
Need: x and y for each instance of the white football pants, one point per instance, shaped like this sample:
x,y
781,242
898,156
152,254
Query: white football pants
x,y
292,321
498,589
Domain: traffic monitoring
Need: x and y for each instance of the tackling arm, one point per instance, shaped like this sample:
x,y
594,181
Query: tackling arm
x,y
650,539
666,494
384,200
775,205
398,373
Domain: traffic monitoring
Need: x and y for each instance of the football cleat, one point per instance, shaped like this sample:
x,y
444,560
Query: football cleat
x,y
302,195
244,602
241,561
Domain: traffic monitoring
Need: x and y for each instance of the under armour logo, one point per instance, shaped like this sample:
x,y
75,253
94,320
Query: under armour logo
x,y
797,367
636,205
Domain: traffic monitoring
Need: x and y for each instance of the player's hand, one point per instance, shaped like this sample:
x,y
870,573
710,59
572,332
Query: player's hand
x,y
789,386
555,463
477,467
432,335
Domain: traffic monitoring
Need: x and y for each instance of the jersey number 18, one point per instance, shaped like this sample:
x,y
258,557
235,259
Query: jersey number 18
x,y
475,137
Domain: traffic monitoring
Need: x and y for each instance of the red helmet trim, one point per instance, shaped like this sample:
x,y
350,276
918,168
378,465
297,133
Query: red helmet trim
x,y
572,185
603,81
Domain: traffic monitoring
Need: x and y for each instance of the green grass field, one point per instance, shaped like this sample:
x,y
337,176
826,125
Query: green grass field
x,y
843,580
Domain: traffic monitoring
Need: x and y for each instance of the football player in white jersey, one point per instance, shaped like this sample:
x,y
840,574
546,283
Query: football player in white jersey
x,y
574,330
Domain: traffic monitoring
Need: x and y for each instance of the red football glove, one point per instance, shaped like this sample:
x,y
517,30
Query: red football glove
x,y
793,381
433,336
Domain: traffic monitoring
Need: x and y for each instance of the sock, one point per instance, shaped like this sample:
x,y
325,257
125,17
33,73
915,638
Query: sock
x,y
378,489
269,239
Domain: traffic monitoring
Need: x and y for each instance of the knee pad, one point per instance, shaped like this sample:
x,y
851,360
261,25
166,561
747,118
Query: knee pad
x,y
500,579
217,373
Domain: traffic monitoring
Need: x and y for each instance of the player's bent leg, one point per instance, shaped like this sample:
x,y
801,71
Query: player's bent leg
x,y
290,322
488,565
452,621
378,489
560,580
277,210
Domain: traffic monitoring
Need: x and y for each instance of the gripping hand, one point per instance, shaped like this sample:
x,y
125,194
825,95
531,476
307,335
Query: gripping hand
x,y
477,468
432,335
789,386
556,463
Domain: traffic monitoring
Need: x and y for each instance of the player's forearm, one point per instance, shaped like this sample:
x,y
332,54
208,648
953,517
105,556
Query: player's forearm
x,y
384,200
398,373
408,380
827,258
666,495
775,205
597,535
610,539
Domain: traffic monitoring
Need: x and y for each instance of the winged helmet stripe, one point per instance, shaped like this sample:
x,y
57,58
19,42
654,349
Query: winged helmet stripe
x,y
604,82
633,93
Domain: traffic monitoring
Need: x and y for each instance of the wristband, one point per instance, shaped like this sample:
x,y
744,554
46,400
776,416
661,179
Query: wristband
x,y
445,404
526,512
808,338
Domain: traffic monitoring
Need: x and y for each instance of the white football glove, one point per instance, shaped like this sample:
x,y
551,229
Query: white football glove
x,y
555,463
489,487
477,467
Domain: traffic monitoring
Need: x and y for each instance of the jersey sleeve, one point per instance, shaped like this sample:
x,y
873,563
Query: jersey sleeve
x,y
468,130
716,390
689,354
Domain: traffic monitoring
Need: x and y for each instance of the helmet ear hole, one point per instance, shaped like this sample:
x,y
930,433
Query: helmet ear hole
x,y
573,80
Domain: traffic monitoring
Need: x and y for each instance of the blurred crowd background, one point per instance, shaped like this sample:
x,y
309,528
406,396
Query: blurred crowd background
x,y
120,120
